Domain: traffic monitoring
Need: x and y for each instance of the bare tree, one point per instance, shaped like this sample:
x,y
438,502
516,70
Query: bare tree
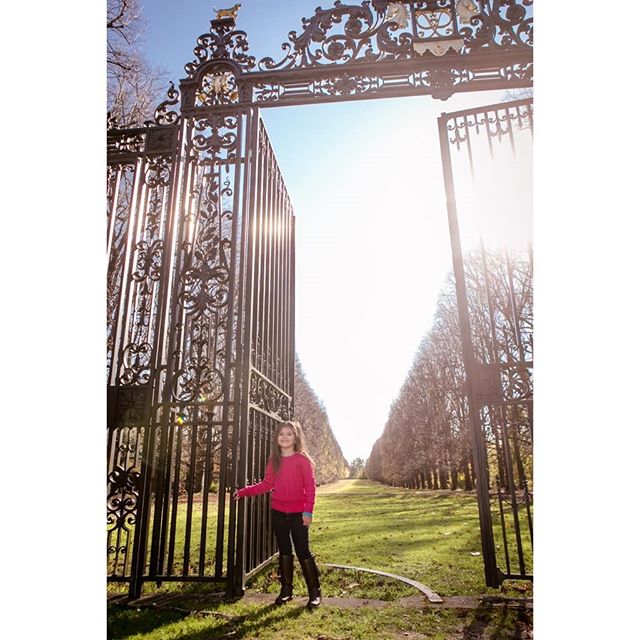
x,y
134,86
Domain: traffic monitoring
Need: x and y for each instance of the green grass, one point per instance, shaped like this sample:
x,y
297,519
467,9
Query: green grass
x,y
429,536
286,623
327,623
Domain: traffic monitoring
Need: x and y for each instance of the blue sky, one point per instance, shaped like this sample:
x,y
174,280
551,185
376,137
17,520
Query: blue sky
x,y
372,245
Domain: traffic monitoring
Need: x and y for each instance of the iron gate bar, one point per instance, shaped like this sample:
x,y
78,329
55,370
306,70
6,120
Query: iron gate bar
x,y
174,505
527,499
504,526
512,301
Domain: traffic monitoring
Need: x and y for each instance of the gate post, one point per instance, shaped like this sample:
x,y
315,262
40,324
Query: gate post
x,y
477,436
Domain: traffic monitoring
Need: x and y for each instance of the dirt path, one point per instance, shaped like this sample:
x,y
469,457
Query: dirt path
x,y
339,486
179,602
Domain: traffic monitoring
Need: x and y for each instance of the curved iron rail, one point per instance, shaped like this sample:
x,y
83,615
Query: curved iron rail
x,y
431,595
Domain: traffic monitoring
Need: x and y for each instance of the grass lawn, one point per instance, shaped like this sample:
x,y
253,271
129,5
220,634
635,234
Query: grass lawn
x,y
429,536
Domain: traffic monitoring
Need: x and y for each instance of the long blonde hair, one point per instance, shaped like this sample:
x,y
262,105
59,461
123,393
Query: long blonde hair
x,y
298,445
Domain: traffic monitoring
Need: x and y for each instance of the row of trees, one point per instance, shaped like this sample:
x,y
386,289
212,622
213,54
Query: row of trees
x,y
426,441
321,442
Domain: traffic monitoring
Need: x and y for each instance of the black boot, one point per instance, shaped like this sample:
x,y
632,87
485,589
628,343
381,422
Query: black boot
x,y
312,578
285,564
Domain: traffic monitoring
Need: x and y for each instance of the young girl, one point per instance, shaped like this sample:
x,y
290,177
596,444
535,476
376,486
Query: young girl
x,y
289,475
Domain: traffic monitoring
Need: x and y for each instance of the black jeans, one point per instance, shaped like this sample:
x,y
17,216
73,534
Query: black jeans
x,y
287,526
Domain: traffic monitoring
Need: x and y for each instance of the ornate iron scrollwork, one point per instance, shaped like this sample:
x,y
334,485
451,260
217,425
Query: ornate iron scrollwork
x,y
123,142
204,275
264,395
145,274
365,37
500,24
163,113
221,43
123,496
496,122
359,35
392,32
346,84
122,507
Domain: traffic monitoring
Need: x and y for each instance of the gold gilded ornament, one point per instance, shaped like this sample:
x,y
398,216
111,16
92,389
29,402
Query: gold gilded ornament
x,y
232,12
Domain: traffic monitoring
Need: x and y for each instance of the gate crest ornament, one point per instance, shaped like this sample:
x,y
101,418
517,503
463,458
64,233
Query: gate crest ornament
x,y
217,88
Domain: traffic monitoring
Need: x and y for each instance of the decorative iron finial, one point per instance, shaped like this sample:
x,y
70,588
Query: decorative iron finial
x,y
231,13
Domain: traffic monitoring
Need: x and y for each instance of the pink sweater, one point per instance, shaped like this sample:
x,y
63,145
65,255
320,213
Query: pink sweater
x,y
294,488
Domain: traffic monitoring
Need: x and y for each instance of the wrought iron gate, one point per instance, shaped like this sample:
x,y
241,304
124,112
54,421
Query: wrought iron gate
x,y
497,347
200,324
200,335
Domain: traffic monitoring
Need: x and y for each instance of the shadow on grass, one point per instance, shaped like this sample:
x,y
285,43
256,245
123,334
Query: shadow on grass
x,y
497,621
181,595
248,625
159,607
126,621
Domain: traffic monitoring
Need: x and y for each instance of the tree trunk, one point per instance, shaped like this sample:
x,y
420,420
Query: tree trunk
x,y
454,478
443,478
473,470
466,470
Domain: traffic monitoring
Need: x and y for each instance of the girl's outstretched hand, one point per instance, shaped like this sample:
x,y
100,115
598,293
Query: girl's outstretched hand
x,y
236,497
